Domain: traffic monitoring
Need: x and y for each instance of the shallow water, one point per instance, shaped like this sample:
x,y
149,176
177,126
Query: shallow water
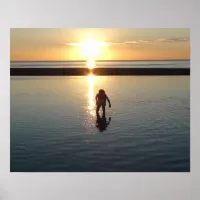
x,y
53,124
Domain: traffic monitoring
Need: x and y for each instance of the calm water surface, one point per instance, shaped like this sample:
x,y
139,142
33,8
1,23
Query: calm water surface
x,y
53,124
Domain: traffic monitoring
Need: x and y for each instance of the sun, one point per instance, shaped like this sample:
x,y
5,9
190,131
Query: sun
x,y
91,48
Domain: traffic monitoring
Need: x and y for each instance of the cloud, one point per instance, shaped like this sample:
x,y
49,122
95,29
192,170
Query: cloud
x,y
138,42
75,44
166,40
173,40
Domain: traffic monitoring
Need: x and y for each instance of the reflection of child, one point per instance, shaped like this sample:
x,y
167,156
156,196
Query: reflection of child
x,y
102,123
101,98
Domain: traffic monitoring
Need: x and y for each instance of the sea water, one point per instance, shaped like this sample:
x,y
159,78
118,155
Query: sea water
x,y
103,64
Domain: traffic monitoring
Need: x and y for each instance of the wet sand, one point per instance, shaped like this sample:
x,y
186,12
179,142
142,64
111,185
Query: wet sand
x,y
98,71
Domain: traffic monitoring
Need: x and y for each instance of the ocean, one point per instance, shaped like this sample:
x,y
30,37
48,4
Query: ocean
x,y
103,64
54,127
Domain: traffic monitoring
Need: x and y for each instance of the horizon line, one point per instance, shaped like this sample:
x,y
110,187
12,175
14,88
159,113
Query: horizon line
x,y
98,60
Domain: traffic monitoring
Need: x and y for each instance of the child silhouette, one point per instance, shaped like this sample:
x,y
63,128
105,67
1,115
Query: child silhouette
x,y
101,98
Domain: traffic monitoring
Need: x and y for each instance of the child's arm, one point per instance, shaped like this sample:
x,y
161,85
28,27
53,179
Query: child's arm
x,y
108,101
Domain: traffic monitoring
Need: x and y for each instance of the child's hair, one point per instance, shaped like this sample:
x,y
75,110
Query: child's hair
x,y
101,91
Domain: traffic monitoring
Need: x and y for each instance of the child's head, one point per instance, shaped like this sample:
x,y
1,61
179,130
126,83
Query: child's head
x,y
101,91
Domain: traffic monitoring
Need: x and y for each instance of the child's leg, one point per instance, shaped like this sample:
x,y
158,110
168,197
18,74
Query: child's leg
x,y
104,108
97,109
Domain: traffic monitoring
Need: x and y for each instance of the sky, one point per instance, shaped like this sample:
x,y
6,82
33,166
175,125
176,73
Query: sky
x,y
99,44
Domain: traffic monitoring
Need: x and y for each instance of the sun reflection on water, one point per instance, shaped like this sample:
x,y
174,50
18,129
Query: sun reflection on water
x,y
91,96
91,64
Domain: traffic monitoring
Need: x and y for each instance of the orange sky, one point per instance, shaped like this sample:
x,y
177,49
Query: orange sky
x,y
121,44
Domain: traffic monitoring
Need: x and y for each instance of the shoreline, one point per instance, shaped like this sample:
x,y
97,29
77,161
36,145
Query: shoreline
x,y
99,71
